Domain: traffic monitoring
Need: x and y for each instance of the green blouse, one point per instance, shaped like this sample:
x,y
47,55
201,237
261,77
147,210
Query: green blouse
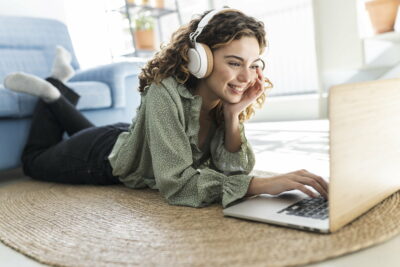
x,y
161,151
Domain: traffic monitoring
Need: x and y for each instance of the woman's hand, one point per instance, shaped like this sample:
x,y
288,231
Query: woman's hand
x,y
249,96
289,181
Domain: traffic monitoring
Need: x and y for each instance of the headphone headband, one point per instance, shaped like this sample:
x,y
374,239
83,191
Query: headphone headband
x,y
204,21
200,63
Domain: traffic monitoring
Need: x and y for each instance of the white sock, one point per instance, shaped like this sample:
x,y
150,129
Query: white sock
x,y
62,69
30,84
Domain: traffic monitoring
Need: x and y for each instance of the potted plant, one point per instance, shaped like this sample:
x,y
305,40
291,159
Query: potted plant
x,y
144,32
382,14
159,4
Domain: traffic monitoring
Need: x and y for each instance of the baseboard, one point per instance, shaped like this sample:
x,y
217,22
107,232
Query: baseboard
x,y
11,174
291,108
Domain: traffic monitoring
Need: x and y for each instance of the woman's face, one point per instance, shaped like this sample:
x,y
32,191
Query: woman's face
x,y
235,69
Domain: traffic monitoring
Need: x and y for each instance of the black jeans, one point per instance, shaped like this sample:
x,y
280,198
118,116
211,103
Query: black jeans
x,y
80,159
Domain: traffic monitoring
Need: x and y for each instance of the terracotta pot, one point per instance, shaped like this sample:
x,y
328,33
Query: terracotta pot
x,y
159,4
144,39
382,14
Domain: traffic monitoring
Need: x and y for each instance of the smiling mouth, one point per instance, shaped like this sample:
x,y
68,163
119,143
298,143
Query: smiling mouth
x,y
236,89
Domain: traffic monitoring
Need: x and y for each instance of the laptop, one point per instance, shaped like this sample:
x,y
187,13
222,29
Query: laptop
x,y
364,159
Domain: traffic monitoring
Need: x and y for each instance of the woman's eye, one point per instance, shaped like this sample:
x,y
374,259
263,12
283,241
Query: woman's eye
x,y
254,67
235,64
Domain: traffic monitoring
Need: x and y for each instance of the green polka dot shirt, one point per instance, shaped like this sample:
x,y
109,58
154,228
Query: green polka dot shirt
x,y
160,151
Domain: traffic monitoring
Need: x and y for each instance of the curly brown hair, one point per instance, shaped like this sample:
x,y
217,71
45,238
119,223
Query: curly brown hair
x,y
223,28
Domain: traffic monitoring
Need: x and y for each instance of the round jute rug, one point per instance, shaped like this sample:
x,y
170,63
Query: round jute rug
x,y
64,225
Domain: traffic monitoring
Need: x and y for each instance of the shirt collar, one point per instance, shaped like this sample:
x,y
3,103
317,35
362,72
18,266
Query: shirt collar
x,y
181,88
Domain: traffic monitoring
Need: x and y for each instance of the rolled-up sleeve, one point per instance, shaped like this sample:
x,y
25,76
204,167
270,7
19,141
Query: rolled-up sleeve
x,y
176,178
228,162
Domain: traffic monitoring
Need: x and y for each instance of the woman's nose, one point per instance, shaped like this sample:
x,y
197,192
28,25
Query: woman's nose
x,y
244,75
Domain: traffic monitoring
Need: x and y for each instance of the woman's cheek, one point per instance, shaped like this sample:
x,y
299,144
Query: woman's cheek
x,y
254,76
226,75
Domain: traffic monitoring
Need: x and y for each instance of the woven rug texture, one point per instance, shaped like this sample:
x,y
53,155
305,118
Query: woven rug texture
x,y
65,225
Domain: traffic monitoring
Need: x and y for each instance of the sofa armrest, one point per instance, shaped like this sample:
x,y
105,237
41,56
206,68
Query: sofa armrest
x,y
113,75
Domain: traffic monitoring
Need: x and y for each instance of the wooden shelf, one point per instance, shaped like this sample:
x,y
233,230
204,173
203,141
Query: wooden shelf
x,y
132,11
154,11
140,53
393,37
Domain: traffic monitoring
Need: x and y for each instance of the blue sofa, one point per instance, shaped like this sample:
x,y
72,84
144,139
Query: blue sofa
x,y
108,93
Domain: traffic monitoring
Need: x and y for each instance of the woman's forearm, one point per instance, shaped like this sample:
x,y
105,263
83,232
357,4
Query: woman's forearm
x,y
232,133
255,186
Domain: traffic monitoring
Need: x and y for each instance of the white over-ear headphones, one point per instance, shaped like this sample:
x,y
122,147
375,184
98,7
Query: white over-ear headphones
x,y
200,56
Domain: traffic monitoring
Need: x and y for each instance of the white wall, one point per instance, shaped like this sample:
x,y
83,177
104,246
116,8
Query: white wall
x,y
35,8
344,56
337,34
338,44
87,24
85,21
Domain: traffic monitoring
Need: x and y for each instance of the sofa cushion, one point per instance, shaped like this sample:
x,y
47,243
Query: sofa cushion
x,y
28,44
30,60
94,95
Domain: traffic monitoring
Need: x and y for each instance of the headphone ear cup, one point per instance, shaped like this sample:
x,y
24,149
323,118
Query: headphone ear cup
x,y
194,62
210,59
200,60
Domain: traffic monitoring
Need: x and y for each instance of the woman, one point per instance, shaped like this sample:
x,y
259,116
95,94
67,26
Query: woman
x,y
187,139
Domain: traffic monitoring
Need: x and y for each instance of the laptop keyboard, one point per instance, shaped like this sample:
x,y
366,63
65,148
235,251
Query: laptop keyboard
x,y
315,208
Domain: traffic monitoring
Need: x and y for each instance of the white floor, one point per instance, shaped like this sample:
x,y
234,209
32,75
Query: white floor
x,y
286,146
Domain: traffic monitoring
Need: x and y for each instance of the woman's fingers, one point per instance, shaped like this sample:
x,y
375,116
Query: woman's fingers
x,y
304,189
313,183
258,86
312,180
260,74
320,180
253,92
260,78
297,180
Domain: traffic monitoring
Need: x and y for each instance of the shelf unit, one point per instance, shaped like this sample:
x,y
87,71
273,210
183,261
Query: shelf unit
x,y
131,9
380,51
393,37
